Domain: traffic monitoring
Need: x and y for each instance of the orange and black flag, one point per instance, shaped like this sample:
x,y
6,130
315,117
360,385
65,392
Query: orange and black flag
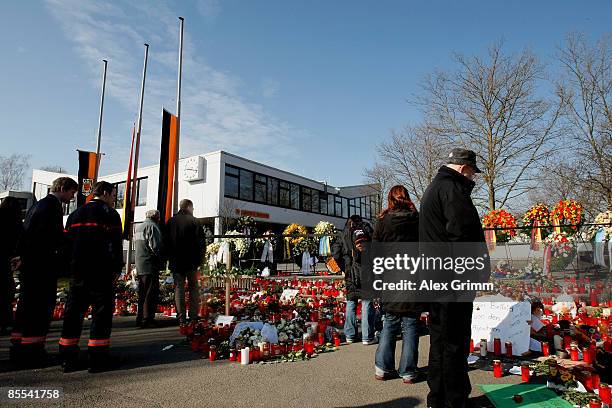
x,y
167,161
128,208
87,174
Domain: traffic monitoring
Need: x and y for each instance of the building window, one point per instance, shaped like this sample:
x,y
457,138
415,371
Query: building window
x,y
338,206
344,207
141,191
306,199
246,185
120,194
272,191
315,201
330,205
285,200
260,188
231,181
323,203
295,196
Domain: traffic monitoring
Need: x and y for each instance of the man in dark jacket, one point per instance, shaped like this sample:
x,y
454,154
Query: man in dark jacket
x,y
185,244
347,253
41,264
448,217
11,220
95,246
148,248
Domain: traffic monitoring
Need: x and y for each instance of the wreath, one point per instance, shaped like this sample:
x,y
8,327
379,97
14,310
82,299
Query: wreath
x,y
294,233
568,212
602,218
538,213
501,218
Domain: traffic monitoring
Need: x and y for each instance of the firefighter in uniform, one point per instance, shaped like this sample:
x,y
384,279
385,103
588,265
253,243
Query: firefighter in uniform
x,y
40,264
95,246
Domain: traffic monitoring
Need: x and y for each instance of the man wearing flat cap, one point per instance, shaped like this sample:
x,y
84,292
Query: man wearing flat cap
x,y
449,221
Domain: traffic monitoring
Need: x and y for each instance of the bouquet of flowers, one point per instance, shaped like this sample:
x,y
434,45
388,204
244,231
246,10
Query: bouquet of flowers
x,y
533,270
561,243
239,245
568,212
307,244
212,249
325,228
294,231
249,337
558,375
520,238
501,218
289,331
602,218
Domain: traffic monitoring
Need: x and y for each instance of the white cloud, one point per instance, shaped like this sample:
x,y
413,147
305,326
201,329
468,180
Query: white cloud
x,y
208,8
214,114
269,88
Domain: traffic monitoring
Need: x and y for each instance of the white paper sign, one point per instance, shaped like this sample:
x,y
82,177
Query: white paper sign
x,y
224,320
288,294
504,319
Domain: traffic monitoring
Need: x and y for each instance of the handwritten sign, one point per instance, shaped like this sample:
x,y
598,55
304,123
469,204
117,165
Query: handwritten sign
x,y
501,318
224,320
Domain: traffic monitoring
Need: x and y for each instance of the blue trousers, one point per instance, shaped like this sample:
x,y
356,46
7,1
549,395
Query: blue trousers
x,y
367,320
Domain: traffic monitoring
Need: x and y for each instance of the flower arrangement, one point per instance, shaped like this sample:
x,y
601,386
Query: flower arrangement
x,y
295,230
568,212
533,270
555,373
501,218
240,245
561,243
325,228
249,337
602,218
289,331
538,213
307,244
212,249
520,238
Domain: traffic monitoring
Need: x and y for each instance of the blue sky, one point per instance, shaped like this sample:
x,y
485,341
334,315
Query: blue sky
x,y
309,87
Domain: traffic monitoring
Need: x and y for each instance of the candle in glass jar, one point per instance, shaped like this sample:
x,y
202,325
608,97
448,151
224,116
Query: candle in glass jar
x,y
471,345
594,403
483,347
212,353
232,354
605,393
545,348
509,349
525,373
497,368
574,354
587,355
321,338
244,356
497,346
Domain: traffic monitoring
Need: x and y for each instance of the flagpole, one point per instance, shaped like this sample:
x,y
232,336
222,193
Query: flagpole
x,y
100,122
178,116
136,152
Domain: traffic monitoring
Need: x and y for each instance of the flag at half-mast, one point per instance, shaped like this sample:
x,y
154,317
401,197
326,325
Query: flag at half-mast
x,y
86,176
167,161
128,208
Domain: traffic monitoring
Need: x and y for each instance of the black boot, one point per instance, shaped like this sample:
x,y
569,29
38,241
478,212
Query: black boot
x,y
102,361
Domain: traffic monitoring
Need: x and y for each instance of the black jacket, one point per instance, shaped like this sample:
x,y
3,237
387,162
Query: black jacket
x,y
184,242
399,226
11,230
344,252
448,218
94,242
42,240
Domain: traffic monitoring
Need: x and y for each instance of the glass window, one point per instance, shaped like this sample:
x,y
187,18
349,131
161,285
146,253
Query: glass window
x,y
315,201
120,194
231,186
295,196
306,199
141,193
323,200
246,185
272,191
338,206
363,210
344,208
232,170
330,204
260,188
285,200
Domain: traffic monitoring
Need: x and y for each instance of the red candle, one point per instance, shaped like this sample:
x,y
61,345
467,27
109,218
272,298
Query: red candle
x,y
545,348
471,345
595,380
525,373
587,356
509,349
321,338
497,368
574,354
594,403
567,341
497,346
336,341
604,393
232,354
212,353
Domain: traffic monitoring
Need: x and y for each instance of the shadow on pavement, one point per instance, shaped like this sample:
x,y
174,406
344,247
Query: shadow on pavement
x,y
399,402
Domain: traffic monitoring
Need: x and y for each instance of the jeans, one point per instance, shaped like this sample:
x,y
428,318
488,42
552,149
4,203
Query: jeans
x,y
367,320
179,295
385,353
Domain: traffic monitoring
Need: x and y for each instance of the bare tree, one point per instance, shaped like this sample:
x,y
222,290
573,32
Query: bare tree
x,y
55,168
12,170
490,105
411,157
587,90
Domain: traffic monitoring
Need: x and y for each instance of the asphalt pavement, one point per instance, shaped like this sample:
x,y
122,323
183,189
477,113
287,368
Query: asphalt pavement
x,y
178,377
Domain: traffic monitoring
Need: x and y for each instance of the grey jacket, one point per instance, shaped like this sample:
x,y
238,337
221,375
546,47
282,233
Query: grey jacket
x,y
148,248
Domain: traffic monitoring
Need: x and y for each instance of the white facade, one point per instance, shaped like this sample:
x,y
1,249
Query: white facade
x,y
202,179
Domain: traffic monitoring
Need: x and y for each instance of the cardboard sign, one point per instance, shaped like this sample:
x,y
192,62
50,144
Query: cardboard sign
x,y
224,320
501,318
288,294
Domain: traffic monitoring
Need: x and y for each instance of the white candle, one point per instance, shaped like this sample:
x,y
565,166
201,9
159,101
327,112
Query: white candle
x,y
244,356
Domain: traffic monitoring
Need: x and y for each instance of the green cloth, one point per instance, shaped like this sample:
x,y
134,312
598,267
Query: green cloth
x,y
534,396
